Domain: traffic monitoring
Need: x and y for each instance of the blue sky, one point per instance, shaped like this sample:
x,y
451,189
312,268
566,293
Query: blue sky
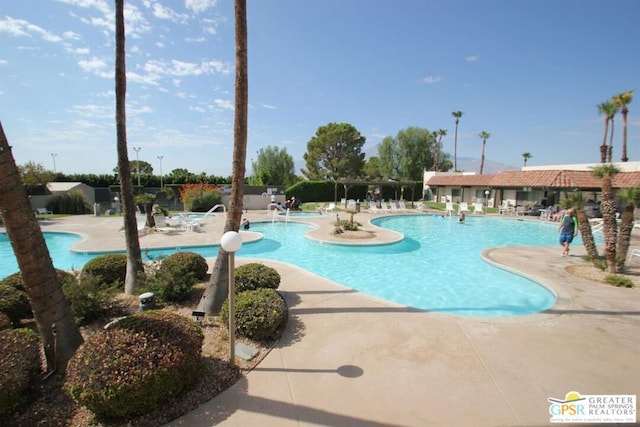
x,y
529,72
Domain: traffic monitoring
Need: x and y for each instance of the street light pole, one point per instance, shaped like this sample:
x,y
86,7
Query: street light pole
x,y
231,243
137,150
160,158
53,155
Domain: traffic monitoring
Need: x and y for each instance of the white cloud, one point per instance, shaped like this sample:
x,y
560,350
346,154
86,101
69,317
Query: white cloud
x,y
472,58
162,12
199,6
22,28
92,65
268,107
224,104
431,79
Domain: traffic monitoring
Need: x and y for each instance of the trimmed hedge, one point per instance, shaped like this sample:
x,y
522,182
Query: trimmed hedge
x,y
110,268
261,315
19,366
136,365
182,263
253,276
14,304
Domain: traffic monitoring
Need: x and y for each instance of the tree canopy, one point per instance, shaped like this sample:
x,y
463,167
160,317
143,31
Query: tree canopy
x,y
273,166
406,156
334,152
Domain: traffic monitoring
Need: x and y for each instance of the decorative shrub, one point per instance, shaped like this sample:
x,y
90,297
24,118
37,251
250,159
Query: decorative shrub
x,y
110,268
167,286
5,322
260,315
19,366
618,280
136,365
14,280
186,262
88,298
14,304
254,275
200,197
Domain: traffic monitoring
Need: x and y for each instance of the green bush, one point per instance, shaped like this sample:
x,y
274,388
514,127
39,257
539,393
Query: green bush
x,y
5,322
186,262
167,286
136,365
110,268
254,275
89,298
260,315
14,280
619,281
14,304
19,366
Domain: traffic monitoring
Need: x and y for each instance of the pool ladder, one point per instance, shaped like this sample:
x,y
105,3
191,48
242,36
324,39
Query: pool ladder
x,y
275,216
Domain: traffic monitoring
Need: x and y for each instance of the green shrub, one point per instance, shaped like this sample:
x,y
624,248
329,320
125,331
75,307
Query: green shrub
x,y
14,304
5,322
89,298
618,280
110,268
254,275
167,286
186,262
19,366
14,280
136,365
260,315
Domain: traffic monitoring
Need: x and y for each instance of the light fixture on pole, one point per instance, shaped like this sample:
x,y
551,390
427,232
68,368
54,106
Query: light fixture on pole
x,y
231,243
54,155
486,196
160,158
137,150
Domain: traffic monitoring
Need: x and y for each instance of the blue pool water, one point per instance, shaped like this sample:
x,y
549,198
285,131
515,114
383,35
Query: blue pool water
x,y
437,266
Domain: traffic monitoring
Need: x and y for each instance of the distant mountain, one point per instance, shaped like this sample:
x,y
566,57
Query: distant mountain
x,y
468,164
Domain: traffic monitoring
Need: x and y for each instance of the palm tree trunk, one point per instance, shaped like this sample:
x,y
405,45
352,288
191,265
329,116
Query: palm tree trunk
x,y
59,333
610,225
603,147
484,143
587,235
609,157
624,235
455,149
134,255
624,134
218,290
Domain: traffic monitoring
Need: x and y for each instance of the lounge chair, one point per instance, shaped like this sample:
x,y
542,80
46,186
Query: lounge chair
x,y
331,207
635,253
463,207
402,206
161,224
384,206
43,211
477,208
392,206
449,209
421,207
373,208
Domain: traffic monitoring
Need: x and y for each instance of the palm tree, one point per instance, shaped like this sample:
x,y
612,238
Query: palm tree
x,y
58,331
576,201
526,156
484,135
134,255
632,197
608,208
609,110
457,115
622,100
218,290
440,133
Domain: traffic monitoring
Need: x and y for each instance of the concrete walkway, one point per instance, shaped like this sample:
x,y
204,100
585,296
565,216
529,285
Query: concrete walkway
x,y
349,359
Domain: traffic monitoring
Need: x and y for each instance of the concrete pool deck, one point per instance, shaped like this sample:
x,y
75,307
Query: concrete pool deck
x,y
349,359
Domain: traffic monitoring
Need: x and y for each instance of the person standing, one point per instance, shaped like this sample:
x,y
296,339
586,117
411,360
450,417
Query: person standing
x,y
568,229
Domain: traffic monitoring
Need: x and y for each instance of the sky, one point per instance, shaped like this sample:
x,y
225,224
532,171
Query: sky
x,y
529,72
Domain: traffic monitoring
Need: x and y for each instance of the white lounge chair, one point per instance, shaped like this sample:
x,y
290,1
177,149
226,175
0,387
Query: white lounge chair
x,y
373,208
449,209
635,253
392,206
384,206
421,207
478,208
402,206
43,211
161,224
463,207
331,207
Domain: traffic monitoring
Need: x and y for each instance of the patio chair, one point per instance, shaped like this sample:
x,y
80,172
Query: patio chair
x,y
43,211
161,224
463,207
477,208
449,209
331,207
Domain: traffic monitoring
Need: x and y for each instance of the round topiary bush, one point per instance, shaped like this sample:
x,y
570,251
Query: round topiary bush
x,y
14,304
14,280
19,366
183,263
111,269
260,315
135,365
5,322
254,275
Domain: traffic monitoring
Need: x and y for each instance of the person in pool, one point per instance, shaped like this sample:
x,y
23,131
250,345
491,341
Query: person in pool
x,y
568,230
461,217
245,224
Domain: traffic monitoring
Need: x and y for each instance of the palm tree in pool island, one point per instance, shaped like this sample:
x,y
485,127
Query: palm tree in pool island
x,y
484,135
608,110
457,115
622,100
526,157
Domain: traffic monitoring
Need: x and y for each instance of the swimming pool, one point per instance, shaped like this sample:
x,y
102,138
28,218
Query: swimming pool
x,y
437,266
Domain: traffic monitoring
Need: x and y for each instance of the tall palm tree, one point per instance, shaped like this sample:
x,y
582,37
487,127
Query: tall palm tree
x,y
457,115
526,156
622,100
632,197
608,208
440,133
576,201
134,255
484,135
608,110
58,331
217,291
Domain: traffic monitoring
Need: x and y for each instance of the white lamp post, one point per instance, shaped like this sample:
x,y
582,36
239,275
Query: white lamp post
x,y
160,158
54,155
231,243
486,196
137,150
